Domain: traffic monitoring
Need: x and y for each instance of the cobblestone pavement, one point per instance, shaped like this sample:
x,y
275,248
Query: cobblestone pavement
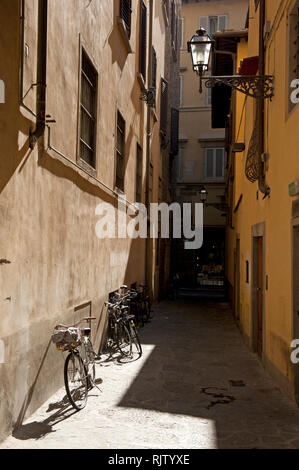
x,y
196,386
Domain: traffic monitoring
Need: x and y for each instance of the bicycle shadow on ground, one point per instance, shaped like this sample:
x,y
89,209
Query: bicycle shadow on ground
x,y
38,430
113,356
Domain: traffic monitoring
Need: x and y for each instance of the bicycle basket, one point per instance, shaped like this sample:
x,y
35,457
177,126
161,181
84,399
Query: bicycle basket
x,y
66,338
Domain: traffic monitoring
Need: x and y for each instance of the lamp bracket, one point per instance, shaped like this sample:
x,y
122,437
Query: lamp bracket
x,y
256,86
149,96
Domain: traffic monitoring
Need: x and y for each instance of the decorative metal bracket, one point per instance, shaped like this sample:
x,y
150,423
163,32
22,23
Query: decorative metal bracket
x,y
149,96
251,85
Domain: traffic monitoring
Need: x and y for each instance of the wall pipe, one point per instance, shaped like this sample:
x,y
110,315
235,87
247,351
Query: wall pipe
x,y
41,73
148,140
22,46
261,103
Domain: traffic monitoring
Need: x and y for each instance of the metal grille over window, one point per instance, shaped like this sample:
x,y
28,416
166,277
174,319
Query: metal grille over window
x,y
88,110
126,13
142,40
164,106
120,151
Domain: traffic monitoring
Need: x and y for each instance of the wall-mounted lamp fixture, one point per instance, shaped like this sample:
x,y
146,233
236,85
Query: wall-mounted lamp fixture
x,y
203,196
201,48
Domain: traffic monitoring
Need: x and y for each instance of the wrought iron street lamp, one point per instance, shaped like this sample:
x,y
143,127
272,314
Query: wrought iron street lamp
x,y
201,48
203,196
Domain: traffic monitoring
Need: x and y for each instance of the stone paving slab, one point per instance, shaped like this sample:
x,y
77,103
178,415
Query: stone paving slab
x,y
196,386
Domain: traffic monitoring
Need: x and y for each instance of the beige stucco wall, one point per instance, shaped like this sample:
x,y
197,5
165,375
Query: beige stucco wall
x,y
53,260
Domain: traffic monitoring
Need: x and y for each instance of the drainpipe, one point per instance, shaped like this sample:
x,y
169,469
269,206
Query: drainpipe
x,y
41,73
261,103
148,137
22,46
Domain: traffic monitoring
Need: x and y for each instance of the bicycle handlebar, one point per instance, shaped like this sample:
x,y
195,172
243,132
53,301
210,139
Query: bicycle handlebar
x,y
75,324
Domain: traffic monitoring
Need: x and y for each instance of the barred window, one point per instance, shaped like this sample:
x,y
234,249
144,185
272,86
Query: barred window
x,y
120,152
89,80
126,14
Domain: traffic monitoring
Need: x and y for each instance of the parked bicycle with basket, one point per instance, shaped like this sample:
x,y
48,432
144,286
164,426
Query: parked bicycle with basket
x,y
79,366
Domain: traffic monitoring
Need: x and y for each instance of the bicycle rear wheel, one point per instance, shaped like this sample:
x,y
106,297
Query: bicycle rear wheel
x,y
75,380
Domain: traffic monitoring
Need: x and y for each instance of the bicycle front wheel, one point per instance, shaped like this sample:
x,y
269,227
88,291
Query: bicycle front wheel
x,y
123,340
136,345
75,379
90,354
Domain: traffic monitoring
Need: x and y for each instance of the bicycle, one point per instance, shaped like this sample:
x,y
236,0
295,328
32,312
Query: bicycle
x,y
122,328
79,367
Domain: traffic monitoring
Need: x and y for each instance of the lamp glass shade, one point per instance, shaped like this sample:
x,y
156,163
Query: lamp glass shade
x,y
200,48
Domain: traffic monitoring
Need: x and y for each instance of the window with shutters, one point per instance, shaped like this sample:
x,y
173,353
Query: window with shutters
x,y
138,174
293,47
88,100
212,24
214,164
164,106
125,13
120,152
142,40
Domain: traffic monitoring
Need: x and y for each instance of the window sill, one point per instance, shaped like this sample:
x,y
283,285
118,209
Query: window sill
x,y
86,166
124,34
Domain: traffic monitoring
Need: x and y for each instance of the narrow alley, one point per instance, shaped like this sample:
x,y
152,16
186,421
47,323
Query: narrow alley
x,y
196,386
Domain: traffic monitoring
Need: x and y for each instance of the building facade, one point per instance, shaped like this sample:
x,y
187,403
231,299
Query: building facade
x,y
201,161
83,122
262,191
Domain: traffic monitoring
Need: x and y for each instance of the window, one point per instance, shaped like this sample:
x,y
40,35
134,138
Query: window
x,y
120,152
214,163
88,99
142,40
126,13
293,46
164,106
212,24
138,174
